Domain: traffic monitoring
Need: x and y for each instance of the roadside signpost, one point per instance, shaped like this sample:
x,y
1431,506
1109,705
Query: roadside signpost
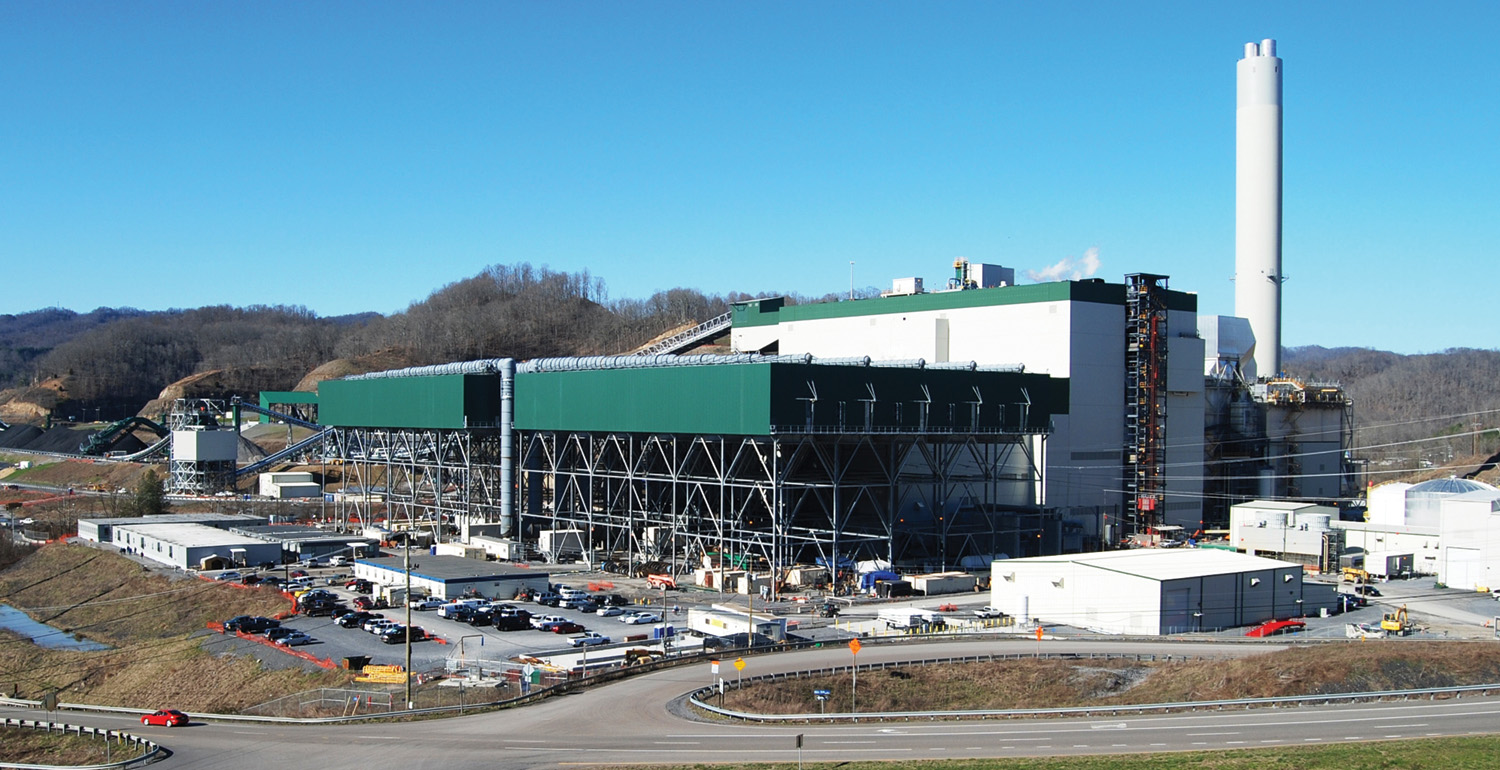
x,y
739,665
854,646
822,696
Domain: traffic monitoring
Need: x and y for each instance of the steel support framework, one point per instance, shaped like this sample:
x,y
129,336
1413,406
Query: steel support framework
x,y
197,477
415,479
1145,400
788,498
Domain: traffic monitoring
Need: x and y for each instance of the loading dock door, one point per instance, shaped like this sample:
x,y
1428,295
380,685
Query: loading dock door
x,y
1462,568
1175,618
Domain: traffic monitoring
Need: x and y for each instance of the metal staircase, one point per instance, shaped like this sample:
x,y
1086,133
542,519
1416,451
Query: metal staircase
x,y
688,339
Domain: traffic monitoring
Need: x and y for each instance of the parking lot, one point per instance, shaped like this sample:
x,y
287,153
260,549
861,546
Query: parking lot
x,y
458,640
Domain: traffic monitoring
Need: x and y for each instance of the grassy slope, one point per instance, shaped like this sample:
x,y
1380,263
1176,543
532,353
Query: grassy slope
x,y
1314,669
1477,753
150,620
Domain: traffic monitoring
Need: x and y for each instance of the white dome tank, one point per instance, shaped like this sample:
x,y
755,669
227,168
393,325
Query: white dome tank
x,y
1424,501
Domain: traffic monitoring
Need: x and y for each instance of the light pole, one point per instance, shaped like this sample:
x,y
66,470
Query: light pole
x,y
851,279
406,551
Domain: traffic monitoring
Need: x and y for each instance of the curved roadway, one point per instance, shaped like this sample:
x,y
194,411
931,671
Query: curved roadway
x,y
629,722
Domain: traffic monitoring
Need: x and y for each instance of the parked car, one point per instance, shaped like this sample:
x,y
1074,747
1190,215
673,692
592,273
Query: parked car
x,y
297,573
609,612
519,622
399,634
276,633
324,607
987,612
358,585
250,624
250,580
336,579
270,580
548,600
1367,590
566,627
338,560
537,621
378,627
588,639
353,619
640,618
294,638
363,603
425,603
165,718
229,576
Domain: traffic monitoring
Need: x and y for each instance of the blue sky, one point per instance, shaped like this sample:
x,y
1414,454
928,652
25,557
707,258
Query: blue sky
x,y
357,156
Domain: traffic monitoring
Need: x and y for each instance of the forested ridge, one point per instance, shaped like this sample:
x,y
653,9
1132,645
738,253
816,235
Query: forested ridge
x,y
1405,404
116,360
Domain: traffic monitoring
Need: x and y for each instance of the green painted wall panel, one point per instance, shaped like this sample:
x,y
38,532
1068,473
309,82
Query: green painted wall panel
x,y
445,401
727,399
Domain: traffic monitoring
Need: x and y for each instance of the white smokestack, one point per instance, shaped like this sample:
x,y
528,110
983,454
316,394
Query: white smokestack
x,y
1257,202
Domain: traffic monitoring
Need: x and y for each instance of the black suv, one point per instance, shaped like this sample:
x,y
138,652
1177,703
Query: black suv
x,y
353,619
250,624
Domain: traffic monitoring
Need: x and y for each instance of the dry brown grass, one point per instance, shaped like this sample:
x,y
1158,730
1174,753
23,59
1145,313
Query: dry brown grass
x,y
1045,683
151,622
19,744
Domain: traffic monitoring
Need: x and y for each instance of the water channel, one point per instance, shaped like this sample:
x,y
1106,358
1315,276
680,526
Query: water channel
x,y
43,635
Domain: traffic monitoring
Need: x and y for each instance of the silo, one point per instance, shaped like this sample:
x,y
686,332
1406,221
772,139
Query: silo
x,y
1424,501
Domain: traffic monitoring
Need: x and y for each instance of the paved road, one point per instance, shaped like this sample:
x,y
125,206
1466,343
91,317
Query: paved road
x,y
629,722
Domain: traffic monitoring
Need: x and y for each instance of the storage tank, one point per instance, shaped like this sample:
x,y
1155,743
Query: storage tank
x,y
1274,519
1424,501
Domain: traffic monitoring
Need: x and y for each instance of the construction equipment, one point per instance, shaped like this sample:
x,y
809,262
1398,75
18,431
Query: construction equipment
x,y
1364,631
1397,622
1355,575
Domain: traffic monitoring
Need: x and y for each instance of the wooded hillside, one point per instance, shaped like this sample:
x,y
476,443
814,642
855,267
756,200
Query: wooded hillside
x,y
115,361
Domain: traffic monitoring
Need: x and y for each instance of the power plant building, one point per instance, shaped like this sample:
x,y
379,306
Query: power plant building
x,y
1120,376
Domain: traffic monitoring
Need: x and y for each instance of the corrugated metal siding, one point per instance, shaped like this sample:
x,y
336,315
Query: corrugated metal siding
x,y
731,399
447,401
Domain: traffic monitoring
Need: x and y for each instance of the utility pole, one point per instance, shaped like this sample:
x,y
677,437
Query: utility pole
x,y
406,550
851,279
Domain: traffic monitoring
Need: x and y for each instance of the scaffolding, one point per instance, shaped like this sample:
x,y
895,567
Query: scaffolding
x,y
1145,401
767,503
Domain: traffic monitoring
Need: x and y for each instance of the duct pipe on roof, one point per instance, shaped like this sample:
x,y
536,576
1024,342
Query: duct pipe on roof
x,y
481,366
509,513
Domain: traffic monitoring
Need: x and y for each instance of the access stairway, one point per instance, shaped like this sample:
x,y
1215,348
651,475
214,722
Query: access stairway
x,y
688,339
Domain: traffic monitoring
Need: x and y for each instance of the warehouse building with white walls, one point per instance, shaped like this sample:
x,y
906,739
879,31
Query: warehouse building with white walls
x,y
1151,591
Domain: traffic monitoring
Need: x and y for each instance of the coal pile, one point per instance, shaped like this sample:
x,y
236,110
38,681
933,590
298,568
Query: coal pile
x,y
19,436
61,440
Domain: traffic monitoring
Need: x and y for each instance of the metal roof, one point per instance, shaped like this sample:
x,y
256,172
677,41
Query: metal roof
x,y
190,535
452,569
1169,563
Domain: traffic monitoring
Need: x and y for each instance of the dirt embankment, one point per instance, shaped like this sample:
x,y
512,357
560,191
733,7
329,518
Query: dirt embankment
x,y
1311,670
154,624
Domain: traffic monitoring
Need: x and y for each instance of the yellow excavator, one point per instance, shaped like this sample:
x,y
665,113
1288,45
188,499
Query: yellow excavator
x,y
1396,622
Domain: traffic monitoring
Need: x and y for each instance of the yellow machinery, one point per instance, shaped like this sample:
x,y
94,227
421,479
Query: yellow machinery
x,y
1396,622
1355,575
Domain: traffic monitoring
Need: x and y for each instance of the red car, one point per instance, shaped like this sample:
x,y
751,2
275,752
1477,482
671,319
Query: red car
x,y
567,628
1275,627
363,603
165,718
296,573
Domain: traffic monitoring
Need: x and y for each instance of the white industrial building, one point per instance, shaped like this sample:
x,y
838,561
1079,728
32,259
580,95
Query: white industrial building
x,y
102,530
452,577
1290,531
1470,535
194,546
287,485
1154,591
1069,329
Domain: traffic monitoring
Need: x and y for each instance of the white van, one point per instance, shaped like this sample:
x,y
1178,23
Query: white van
x,y
568,592
447,610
